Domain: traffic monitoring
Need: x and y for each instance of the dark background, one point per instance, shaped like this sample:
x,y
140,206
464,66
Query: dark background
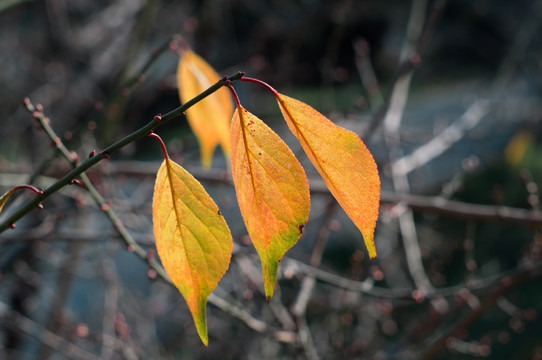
x,y
457,287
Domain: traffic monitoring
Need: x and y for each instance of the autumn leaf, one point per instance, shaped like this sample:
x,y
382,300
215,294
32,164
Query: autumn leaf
x,y
192,238
272,191
342,159
210,117
5,197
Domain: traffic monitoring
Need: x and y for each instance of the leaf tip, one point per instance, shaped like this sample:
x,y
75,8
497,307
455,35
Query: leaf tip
x,y
204,339
200,320
206,157
269,288
269,274
370,244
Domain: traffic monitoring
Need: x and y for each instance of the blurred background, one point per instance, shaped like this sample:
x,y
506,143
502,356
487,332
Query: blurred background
x,y
446,95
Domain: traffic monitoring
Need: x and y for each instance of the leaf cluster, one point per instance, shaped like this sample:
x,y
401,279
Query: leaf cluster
x,y
192,237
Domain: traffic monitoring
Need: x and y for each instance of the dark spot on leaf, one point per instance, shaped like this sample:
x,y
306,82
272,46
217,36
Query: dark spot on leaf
x,y
301,228
219,213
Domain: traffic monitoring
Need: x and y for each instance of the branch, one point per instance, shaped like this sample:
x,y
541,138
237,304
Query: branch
x,y
460,209
367,74
87,164
366,287
431,204
396,102
408,63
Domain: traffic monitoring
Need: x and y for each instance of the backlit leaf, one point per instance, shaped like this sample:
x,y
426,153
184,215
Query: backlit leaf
x,y
192,238
343,160
209,118
5,197
272,191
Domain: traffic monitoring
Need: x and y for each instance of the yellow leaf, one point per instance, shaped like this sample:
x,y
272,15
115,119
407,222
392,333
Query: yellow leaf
x,y
342,159
192,238
209,118
272,191
5,197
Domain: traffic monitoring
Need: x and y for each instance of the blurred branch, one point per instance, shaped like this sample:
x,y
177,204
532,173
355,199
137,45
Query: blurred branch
x,y
410,60
14,319
460,209
478,109
367,74
439,343
61,289
111,298
47,232
444,141
367,287
524,35
430,204
396,103
307,286
306,338
304,294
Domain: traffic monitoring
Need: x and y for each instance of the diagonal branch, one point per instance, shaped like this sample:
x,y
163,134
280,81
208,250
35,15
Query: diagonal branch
x,y
104,154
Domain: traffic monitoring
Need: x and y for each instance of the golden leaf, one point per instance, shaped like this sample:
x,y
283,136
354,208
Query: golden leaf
x,y
342,159
272,191
192,238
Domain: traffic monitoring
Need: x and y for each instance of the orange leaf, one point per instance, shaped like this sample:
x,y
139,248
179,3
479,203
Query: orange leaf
x,y
272,191
209,118
5,197
192,238
342,159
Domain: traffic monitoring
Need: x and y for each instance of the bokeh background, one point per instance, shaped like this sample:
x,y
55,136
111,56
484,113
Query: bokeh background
x,y
446,95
